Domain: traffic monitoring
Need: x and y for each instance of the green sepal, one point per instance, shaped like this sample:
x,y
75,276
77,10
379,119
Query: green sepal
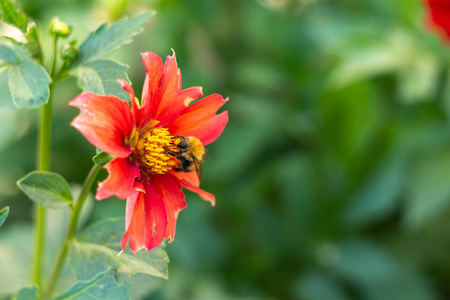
x,y
69,52
102,158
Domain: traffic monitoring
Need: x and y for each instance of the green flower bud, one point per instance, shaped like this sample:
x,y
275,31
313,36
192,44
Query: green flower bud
x,y
69,52
60,29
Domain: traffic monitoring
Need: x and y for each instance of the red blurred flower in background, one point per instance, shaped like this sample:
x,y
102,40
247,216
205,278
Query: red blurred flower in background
x,y
141,138
438,17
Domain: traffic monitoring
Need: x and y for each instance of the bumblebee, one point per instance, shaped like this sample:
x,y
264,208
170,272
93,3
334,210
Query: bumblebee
x,y
190,154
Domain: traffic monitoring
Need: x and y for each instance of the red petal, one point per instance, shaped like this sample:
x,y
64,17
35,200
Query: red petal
x,y
120,182
138,187
171,83
169,189
106,121
170,108
162,97
146,220
173,101
134,106
439,17
134,217
131,202
200,120
150,98
191,182
127,88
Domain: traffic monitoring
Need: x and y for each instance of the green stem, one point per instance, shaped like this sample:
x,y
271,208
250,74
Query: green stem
x,y
43,164
45,134
72,228
44,154
40,214
55,56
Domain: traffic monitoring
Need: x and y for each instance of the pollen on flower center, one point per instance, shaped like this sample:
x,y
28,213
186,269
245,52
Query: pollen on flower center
x,y
151,151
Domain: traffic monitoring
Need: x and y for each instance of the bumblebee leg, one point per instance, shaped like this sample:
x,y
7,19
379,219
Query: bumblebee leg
x,y
178,137
174,153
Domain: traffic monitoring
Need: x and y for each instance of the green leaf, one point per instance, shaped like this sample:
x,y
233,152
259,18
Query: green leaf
x,y
377,274
101,76
317,286
29,82
378,196
107,39
15,264
28,293
88,259
46,188
100,243
102,158
428,193
13,16
107,232
9,114
152,263
19,48
101,286
3,214
8,56
391,52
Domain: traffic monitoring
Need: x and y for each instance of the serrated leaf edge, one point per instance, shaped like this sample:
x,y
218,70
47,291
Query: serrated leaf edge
x,y
97,278
120,260
103,27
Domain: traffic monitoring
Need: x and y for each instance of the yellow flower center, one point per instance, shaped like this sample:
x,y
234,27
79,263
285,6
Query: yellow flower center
x,y
151,151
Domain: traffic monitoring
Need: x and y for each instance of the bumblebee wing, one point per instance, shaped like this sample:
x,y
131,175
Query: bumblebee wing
x,y
198,169
205,156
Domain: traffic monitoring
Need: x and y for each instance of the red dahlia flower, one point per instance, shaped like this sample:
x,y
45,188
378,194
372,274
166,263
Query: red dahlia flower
x,y
438,17
146,168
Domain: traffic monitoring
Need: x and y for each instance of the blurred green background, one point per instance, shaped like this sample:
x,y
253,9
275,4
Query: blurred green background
x,y
332,176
